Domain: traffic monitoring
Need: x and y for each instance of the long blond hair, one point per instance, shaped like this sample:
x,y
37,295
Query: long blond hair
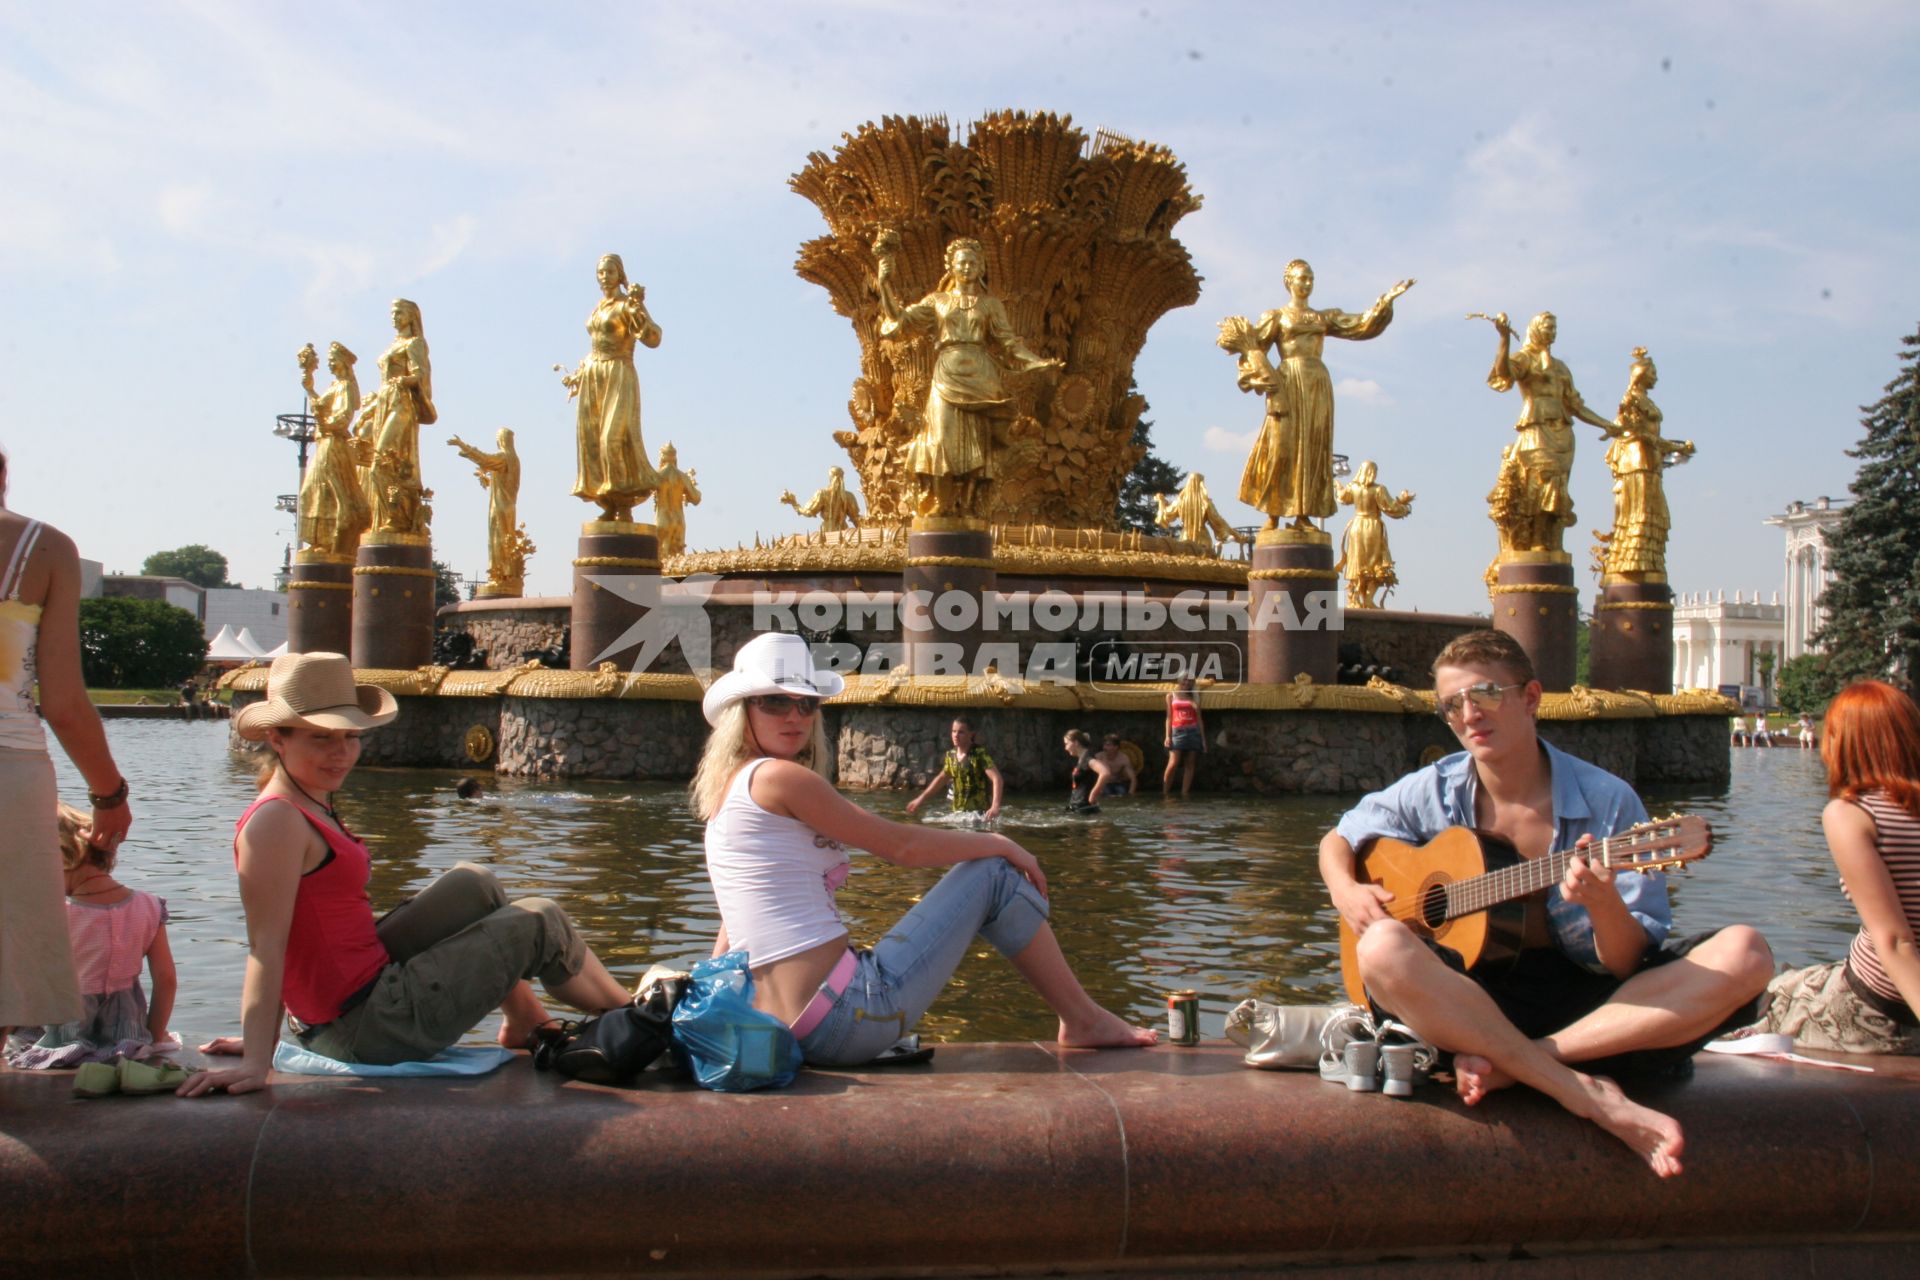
x,y
730,745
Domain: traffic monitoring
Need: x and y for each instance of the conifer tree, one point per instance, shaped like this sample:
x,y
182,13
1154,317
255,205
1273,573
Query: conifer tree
x,y
1152,474
1873,602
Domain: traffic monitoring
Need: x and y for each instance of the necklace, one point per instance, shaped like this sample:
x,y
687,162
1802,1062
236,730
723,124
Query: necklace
x,y
112,884
322,805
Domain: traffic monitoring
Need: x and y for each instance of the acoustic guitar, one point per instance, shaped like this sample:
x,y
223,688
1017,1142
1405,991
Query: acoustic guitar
x,y
1470,890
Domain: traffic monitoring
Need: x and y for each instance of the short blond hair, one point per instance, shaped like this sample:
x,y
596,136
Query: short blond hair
x,y
76,850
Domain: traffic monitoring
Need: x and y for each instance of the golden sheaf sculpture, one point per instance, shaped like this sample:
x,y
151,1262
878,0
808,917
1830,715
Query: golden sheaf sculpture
x,y
1076,237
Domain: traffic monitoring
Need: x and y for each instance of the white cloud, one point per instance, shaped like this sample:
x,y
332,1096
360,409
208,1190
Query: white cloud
x,y
449,240
1360,391
1221,440
183,208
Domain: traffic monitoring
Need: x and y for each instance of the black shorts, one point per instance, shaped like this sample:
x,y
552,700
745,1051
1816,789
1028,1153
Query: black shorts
x,y
1542,991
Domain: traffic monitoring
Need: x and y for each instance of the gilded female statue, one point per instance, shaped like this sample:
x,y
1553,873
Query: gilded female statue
x,y
677,491
1637,546
1530,502
614,472
1193,511
333,498
1364,556
1290,472
951,458
836,508
391,426
507,543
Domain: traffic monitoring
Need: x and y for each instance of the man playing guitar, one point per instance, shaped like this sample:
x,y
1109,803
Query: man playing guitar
x,y
1596,982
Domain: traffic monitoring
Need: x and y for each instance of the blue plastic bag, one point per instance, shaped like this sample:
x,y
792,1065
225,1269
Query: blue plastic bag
x,y
726,1043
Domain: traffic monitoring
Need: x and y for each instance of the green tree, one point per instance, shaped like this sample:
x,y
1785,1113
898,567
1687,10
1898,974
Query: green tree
x,y
1873,602
1583,655
1150,475
138,644
1806,685
197,563
446,585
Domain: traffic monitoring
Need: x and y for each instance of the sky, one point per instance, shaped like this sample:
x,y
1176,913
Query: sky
x,y
194,190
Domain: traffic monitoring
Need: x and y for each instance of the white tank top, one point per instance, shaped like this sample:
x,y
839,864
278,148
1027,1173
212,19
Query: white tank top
x,y
773,877
19,638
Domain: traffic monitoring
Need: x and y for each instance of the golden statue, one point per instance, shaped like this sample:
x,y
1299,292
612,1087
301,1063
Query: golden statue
x,y
1364,556
507,543
1193,510
1530,503
674,492
1079,231
951,458
390,425
1290,472
1636,549
333,498
836,507
614,471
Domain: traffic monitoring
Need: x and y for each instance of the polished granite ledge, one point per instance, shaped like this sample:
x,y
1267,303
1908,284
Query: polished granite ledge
x,y
994,1159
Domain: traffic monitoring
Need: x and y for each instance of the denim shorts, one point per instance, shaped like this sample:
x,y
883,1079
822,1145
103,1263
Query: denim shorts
x,y
895,981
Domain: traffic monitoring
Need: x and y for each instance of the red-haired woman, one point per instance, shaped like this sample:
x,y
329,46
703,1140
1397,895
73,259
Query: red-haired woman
x,y
1866,1003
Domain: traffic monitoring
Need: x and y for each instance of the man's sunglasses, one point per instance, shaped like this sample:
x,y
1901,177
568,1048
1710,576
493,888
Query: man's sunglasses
x,y
1486,695
780,704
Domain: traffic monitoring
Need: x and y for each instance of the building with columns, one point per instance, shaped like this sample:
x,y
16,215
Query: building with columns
x,y
1806,526
1719,643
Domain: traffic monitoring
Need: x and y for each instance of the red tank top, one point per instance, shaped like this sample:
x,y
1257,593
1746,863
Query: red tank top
x,y
1183,713
332,950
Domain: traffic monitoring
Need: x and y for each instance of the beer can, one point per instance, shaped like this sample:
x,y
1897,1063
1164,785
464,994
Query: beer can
x,y
1183,1017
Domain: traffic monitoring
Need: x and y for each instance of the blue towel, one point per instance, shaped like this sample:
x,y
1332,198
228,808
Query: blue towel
x,y
457,1061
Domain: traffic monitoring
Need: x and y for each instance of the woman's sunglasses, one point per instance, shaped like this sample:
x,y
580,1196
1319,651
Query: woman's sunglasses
x,y
780,704
1486,695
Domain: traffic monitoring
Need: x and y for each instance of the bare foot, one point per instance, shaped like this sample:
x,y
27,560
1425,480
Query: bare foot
x,y
1474,1077
518,1034
1104,1030
1653,1134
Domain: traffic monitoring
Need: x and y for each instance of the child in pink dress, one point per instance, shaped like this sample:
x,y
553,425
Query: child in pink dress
x,y
115,931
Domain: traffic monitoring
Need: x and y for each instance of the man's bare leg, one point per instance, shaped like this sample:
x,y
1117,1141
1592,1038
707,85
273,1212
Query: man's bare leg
x,y
1451,1011
1674,1004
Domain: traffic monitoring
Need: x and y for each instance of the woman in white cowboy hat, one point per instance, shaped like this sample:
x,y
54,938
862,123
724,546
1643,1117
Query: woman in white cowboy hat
x,y
397,990
777,838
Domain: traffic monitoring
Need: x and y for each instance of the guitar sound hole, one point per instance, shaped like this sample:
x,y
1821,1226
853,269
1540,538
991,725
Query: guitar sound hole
x,y
1433,906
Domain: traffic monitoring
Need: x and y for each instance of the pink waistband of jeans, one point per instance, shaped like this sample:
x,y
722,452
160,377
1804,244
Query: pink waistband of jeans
x,y
822,1003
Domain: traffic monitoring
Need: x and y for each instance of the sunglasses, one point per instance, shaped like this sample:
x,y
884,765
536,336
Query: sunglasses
x,y
780,704
1486,696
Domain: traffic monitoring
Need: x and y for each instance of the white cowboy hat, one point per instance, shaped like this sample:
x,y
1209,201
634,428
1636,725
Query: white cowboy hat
x,y
314,691
773,662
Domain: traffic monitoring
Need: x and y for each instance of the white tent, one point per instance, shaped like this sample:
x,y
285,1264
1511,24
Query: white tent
x,y
246,641
278,651
226,647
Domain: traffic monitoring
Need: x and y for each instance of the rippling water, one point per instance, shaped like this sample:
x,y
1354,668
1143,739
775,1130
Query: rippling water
x,y
1219,893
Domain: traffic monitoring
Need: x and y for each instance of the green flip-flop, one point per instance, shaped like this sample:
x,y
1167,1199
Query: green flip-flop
x,y
139,1079
96,1080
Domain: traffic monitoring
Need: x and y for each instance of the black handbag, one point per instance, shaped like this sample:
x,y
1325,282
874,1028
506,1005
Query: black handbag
x,y
616,1046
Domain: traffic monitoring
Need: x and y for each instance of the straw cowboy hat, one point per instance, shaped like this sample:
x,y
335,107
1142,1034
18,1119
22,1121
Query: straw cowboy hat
x,y
314,691
774,662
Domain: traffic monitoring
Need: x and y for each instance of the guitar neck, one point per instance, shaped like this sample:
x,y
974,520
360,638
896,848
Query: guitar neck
x,y
1531,875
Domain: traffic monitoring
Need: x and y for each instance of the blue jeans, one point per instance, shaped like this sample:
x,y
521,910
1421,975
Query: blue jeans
x,y
897,980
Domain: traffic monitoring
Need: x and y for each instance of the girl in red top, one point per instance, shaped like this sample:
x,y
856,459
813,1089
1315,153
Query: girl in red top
x,y
397,990
1186,737
1866,1003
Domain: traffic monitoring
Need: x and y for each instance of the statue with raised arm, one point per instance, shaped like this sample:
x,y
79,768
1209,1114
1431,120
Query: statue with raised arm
x,y
1364,557
836,508
1636,548
614,473
333,499
676,491
390,427
507,543
1530,503
1193,511
951,458
1289,474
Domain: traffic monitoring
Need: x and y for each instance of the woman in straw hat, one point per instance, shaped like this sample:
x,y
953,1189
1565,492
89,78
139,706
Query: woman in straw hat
x,y
40,643
777,839
398,990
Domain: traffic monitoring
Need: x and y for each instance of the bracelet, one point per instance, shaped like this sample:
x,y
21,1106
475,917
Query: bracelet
x,y
113,799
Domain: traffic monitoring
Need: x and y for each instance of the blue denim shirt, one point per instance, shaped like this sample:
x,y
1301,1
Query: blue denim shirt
x,y
1587,800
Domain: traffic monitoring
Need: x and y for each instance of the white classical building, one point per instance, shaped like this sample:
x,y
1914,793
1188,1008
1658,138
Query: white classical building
x,y
1806,525
1720,643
